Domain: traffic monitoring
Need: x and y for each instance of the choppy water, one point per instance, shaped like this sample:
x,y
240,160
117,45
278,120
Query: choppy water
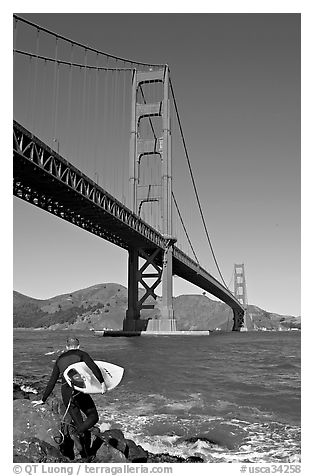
x,y
228,397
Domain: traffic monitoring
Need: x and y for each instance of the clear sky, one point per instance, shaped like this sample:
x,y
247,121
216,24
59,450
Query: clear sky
x,y
237,84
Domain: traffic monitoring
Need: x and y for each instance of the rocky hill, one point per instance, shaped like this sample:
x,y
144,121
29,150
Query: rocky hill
x,y
104,306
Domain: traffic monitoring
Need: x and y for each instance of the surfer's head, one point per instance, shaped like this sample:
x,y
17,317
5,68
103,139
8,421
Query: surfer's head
x,y
72,343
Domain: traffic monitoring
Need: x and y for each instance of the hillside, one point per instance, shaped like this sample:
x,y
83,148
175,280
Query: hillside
x,y
104,305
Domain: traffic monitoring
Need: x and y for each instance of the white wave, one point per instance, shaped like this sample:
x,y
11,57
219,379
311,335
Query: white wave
x,y
52,352
28,389
239,440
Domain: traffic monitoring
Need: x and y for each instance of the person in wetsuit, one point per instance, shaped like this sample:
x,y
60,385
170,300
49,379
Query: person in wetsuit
x,y
75,402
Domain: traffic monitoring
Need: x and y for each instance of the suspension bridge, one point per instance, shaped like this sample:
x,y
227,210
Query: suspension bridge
x,y
94,144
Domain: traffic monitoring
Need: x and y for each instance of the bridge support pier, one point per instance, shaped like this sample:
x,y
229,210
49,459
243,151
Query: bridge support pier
x,y
156,275
238,319
132,313
136,275
166,323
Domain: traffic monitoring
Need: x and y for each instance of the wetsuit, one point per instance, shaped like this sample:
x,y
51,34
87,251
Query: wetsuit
x,y
80,401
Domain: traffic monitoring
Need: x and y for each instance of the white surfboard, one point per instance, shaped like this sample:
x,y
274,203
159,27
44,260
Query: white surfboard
x,y
80,376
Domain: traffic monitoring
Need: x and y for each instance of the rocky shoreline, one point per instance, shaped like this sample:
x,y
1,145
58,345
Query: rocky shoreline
x,y
37,437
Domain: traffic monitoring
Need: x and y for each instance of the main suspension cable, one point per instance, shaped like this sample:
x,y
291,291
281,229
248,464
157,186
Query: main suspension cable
x,y
184,228
61,37
193,181
69,63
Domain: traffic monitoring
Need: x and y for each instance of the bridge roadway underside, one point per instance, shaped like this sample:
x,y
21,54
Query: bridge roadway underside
x,y
44,178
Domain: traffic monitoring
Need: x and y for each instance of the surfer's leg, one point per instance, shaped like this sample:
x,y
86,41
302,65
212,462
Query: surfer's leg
x,y
74,409
88,407
74,412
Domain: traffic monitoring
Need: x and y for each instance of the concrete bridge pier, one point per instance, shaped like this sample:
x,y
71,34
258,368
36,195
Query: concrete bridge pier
x,y
166,323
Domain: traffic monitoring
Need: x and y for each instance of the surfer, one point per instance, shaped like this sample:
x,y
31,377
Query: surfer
x,y
75,402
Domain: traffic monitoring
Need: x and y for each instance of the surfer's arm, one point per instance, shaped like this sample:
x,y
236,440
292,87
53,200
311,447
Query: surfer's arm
x,y
52,382
91,364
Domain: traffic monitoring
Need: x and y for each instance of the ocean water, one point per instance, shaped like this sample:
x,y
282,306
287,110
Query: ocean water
x,y
227,397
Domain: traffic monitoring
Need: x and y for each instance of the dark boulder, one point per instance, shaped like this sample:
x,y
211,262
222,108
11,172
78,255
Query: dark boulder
x,y
223,436
136,453
109,454
34,450
167,458
164,458
18,393
194,459
38,422
114,439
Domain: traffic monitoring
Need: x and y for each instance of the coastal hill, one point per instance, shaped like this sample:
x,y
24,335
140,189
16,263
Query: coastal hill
x,y
104,306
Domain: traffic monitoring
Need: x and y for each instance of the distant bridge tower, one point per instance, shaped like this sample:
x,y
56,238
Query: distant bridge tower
x,y
151,140
240,292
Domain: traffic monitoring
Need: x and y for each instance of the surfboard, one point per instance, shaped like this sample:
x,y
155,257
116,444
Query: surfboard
x,y
80,376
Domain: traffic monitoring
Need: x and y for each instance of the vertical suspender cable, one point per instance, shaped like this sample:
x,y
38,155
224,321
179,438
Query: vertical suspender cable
x,y
124,135
113,132
109,119
69,105
29,92
15,35
231,279
96,125
54,100
106,77
78,98
115,123
88,153
15,20
56,137
83,113
35,83
44,101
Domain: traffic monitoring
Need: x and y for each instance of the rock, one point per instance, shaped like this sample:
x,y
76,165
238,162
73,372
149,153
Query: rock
x,y
38,422
223,435
135,453
54,404
167,458
17,458
18,393
164,458
114,439
109,454
194,459
34,450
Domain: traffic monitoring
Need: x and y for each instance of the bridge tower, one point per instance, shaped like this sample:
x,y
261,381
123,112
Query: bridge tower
x,y
240,293
152,142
